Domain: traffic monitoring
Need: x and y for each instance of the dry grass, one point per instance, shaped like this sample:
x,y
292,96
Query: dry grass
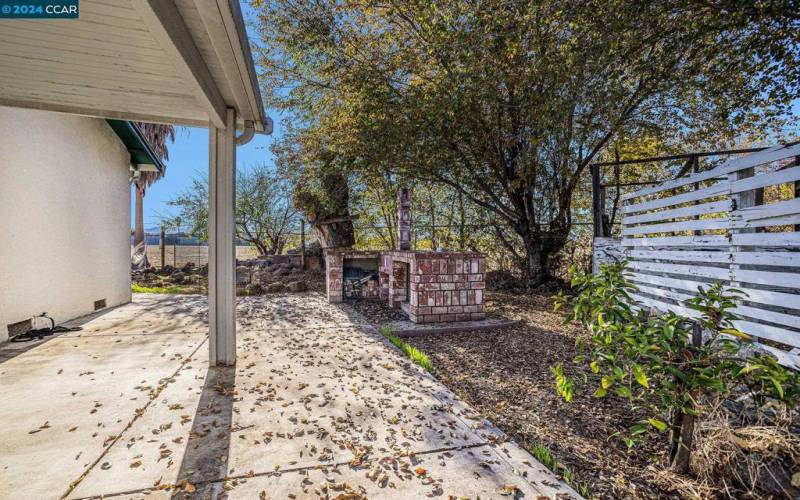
x,y
737,461
755,459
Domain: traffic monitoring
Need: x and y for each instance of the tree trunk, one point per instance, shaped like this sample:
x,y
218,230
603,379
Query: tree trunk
x,y
261,247
138,235
336,234
682,441
535,262
682,434
279,246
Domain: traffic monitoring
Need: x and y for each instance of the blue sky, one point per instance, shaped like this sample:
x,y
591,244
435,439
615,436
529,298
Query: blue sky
x,y
188,158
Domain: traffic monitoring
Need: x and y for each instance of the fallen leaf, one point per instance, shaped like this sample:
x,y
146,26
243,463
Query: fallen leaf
x,y
508,489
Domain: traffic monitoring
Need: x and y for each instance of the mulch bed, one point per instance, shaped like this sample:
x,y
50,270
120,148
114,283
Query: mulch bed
x,y
505,374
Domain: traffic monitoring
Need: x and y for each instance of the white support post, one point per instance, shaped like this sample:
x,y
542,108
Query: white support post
x,y
221,243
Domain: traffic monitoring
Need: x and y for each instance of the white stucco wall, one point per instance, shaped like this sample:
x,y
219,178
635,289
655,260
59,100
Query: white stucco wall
x,y
64,216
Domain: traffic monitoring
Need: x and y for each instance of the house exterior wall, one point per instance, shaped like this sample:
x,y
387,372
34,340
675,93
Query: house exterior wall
x,y
64,216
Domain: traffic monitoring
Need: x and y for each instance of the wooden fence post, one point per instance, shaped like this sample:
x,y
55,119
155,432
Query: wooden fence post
x,y
695,168
597,201
797,188
161,246
741,200
302,243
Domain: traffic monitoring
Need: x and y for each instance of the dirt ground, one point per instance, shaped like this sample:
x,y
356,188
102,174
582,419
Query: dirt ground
x,y
254,277
505,374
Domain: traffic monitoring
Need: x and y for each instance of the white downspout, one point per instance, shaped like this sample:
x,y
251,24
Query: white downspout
x,y
247,134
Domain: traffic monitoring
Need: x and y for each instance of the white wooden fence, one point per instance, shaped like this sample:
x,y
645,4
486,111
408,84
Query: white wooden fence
x,y
713,225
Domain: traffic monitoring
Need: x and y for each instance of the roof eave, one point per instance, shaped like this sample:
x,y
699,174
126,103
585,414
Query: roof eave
x,y
136,144
263,123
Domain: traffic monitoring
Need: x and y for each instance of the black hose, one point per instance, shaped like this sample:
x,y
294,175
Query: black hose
x,y
40,333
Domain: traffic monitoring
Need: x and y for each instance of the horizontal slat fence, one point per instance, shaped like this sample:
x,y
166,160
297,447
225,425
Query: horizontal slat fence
x,y
715,225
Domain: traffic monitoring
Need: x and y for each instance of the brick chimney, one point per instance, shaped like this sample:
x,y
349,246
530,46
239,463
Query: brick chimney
x,y
403,219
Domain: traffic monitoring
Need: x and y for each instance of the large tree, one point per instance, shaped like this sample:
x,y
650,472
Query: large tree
x,y
320,188
509,102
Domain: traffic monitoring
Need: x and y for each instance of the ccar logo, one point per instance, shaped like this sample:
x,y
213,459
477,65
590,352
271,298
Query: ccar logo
x,y
39,9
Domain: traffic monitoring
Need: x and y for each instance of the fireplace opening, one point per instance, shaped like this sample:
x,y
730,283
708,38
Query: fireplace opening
x,y
401,279
402,284
360,279
407,280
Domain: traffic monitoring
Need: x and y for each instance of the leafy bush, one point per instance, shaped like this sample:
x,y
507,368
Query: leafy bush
x,y
667,363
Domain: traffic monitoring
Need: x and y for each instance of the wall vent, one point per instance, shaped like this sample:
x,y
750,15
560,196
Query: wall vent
x,y
99,304
19,327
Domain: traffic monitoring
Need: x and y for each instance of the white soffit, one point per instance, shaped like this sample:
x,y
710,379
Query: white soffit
x,y
163,61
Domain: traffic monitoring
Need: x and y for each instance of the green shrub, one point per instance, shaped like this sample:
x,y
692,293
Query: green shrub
x,y
412,352
667,363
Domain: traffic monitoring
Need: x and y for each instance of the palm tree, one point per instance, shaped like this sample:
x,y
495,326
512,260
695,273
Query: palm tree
x,y
157,136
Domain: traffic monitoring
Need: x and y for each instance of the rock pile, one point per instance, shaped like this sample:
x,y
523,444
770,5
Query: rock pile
x,y
276,275
271,274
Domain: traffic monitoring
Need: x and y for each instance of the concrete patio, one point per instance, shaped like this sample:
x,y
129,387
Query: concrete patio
x,y
318,405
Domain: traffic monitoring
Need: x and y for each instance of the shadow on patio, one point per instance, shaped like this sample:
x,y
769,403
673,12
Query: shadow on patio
x,y
205,458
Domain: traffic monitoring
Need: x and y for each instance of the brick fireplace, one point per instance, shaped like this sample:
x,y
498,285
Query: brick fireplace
x,y
430,287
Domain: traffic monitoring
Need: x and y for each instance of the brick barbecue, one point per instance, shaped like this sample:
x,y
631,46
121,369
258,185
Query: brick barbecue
x,y
430,287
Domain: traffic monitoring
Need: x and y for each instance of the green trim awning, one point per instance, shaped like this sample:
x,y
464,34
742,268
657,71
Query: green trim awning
x,y
136,144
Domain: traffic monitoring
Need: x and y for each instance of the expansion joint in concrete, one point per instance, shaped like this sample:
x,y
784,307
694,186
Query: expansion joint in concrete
x,y
136,416
251,474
